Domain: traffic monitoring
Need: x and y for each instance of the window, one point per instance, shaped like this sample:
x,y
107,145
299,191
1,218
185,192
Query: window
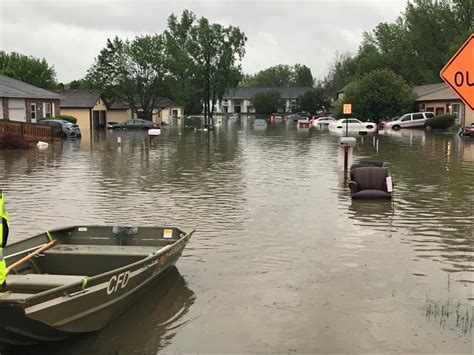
x,y
429,114
430,109
456,109
439,111
418,116
406,118
33,111
47,109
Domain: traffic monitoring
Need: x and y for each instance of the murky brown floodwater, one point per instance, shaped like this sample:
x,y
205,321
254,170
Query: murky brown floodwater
x,y
282,261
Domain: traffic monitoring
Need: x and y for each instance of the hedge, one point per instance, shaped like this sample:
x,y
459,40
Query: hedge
x,y
440,122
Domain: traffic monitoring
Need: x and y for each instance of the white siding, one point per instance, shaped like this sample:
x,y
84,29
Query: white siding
x,y
1,108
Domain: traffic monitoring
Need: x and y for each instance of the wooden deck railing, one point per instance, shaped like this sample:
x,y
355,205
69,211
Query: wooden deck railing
x,y
31,132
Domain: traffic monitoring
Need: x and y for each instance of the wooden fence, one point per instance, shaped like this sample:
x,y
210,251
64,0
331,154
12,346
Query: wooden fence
x,y
31,132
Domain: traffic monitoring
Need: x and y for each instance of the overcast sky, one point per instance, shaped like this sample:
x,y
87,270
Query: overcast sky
x,y
70,33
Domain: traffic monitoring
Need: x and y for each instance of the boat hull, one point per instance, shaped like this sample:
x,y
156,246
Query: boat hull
x,y
78,308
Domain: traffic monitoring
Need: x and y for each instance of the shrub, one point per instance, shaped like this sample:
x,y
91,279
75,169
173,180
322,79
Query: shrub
x,y
380,93
68,118
12,141
440,122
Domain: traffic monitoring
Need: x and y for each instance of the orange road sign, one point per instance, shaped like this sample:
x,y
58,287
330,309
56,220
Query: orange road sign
x,y
347,109
459,72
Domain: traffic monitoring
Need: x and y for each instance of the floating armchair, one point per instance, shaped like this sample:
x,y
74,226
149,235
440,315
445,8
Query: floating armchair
x,y
370,182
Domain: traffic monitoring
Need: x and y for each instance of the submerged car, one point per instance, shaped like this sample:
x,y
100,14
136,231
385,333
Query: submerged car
x,y
135,123
67,129
409,120
322,121
353,125
277,117
260,122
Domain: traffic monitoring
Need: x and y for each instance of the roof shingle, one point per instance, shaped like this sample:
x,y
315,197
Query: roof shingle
x,y
80,98
13,88
435,92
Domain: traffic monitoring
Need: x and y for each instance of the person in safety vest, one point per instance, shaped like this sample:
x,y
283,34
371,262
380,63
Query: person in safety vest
x,y
4,227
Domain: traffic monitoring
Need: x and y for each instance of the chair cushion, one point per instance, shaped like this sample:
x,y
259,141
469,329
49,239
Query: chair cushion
x,y
372,194
371,178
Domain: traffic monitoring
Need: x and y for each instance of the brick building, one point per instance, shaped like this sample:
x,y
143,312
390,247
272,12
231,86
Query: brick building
x,y
23,102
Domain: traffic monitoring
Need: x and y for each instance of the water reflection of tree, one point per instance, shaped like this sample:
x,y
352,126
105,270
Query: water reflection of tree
x,y
147,326
433,194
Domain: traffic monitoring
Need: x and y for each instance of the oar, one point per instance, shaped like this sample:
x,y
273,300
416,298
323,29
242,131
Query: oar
x,y
31,255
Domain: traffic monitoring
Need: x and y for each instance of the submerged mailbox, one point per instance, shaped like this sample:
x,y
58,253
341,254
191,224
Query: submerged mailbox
x,y
347,142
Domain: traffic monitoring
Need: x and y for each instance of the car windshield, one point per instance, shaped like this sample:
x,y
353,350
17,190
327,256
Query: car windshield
x,y
402,117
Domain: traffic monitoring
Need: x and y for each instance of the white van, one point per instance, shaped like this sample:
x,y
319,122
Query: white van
x,y
409,120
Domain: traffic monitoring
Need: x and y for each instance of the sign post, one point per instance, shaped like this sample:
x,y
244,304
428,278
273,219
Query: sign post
x,y
347,143
347,110
459,72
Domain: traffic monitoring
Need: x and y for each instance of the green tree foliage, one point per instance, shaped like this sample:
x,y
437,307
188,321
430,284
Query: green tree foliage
x,y
267,101
183,82
279,76
302,76
379,94
81,84
217,52
132,71
28,69
416,46
193,62
313,101
341,72
276,76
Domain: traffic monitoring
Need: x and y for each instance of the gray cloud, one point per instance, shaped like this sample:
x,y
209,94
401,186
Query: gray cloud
x,y
70,34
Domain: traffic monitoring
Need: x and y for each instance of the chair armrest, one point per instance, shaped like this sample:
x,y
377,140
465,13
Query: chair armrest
x,y
353,186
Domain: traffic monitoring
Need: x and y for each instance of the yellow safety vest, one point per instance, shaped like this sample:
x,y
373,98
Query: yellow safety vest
x,y
3,238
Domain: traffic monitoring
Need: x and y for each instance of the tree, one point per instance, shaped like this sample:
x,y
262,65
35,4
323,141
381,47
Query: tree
x,y
183,83
81,84
217,52
302,76
28,69
381,93
341,72
132,71
431,26
276,76
280,76
267,101
314,100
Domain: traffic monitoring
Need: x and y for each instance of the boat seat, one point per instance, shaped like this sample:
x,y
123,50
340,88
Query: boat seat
x,y
40,281
89,260
129,250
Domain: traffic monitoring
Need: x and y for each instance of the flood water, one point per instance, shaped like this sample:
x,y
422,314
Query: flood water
x,y
282,260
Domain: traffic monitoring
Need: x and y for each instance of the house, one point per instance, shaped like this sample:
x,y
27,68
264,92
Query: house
x,y
440,98
239,100
167,111
118,112
341,92
23,102
87,106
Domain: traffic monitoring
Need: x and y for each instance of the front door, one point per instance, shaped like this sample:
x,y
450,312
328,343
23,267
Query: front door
x,y
456,110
